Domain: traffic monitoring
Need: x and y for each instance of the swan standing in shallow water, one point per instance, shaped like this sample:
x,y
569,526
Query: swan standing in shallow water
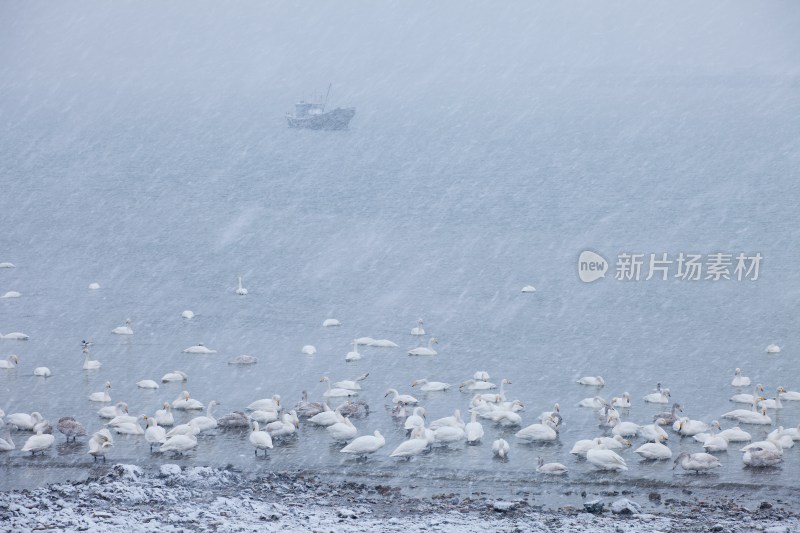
x,y
261,440
123,330
500,449
417,444
739,380
153,433
40,442
241,291
605,459
423,350
365,445
697,462
6,444
419,330
342,431
179,443
9,362
70,428
99,444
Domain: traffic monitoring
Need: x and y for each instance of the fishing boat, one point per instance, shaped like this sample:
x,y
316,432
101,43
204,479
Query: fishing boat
x,y
313,116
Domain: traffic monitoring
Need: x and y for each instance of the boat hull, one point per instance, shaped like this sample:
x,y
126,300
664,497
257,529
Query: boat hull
x,y
337,119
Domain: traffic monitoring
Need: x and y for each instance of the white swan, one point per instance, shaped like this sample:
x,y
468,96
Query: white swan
x,y
405,399
473,429
364,341
538,433
185,403
773,348
748,398
6,264
417,418
112,411
419,330
6,444
623,429
15,336
383,343
153,433
9,362
553,469
595,402
605,459
688,427
130,428
123,330
342,431
365,445
42,372
94,286
739,380
98,446
423,350
175,375
309,349
528,288
790,395
472,385
261,440
353,355
101,396
449,434
286,426
88,364
653,433
336,392
331,322
624,402
500,449
715,443
749,417
735,434
187,314
351,384
326,418
40,442
584,445
452,421
147,384
199,349
243,360
696,462
179,444
11,294
264,416
241,291
654,451
164,415
413,446
773,403
207,422
271,404
658,397
592,381
24,421
430,386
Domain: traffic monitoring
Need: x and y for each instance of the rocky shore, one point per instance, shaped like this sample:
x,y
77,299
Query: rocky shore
x,y
174,499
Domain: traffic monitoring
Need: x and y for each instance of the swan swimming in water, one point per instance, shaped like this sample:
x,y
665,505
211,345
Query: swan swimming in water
x,y
553,469
184,403
773,403
364,341
351,384
405,399
592,381
199,349
24,421
336,392
112,411
15,336
760,457
11,294
500,449
383,343
472,385
101,396
430,386
309,349
271,404
88,364
9,362
353,355
187,314
605,459
241,291
7,265
331,322
147,384
419,330
658,396
423,350
207,422
474,429
773,348
175,375
748,398
123,330
654,451
42,372
243,360
236,419
528,288
164,415
739,380
342,431
94,286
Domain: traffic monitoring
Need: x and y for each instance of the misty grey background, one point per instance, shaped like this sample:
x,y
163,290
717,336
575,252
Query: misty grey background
x,y
144,147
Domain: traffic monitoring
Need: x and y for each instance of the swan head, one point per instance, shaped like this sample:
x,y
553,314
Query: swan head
x,y
166,406
14,358
107,385
781,389
506,382
186,395
324,379
539,461
557,408
738,372
255,425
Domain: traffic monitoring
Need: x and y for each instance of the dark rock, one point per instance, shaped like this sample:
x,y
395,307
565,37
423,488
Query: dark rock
x,y
654,497
765,505
594,506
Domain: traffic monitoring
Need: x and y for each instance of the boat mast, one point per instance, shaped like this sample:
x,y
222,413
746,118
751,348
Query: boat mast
x,y
326,97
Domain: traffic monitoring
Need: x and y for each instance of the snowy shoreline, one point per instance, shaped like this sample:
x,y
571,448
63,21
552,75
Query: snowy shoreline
x,y
172,498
